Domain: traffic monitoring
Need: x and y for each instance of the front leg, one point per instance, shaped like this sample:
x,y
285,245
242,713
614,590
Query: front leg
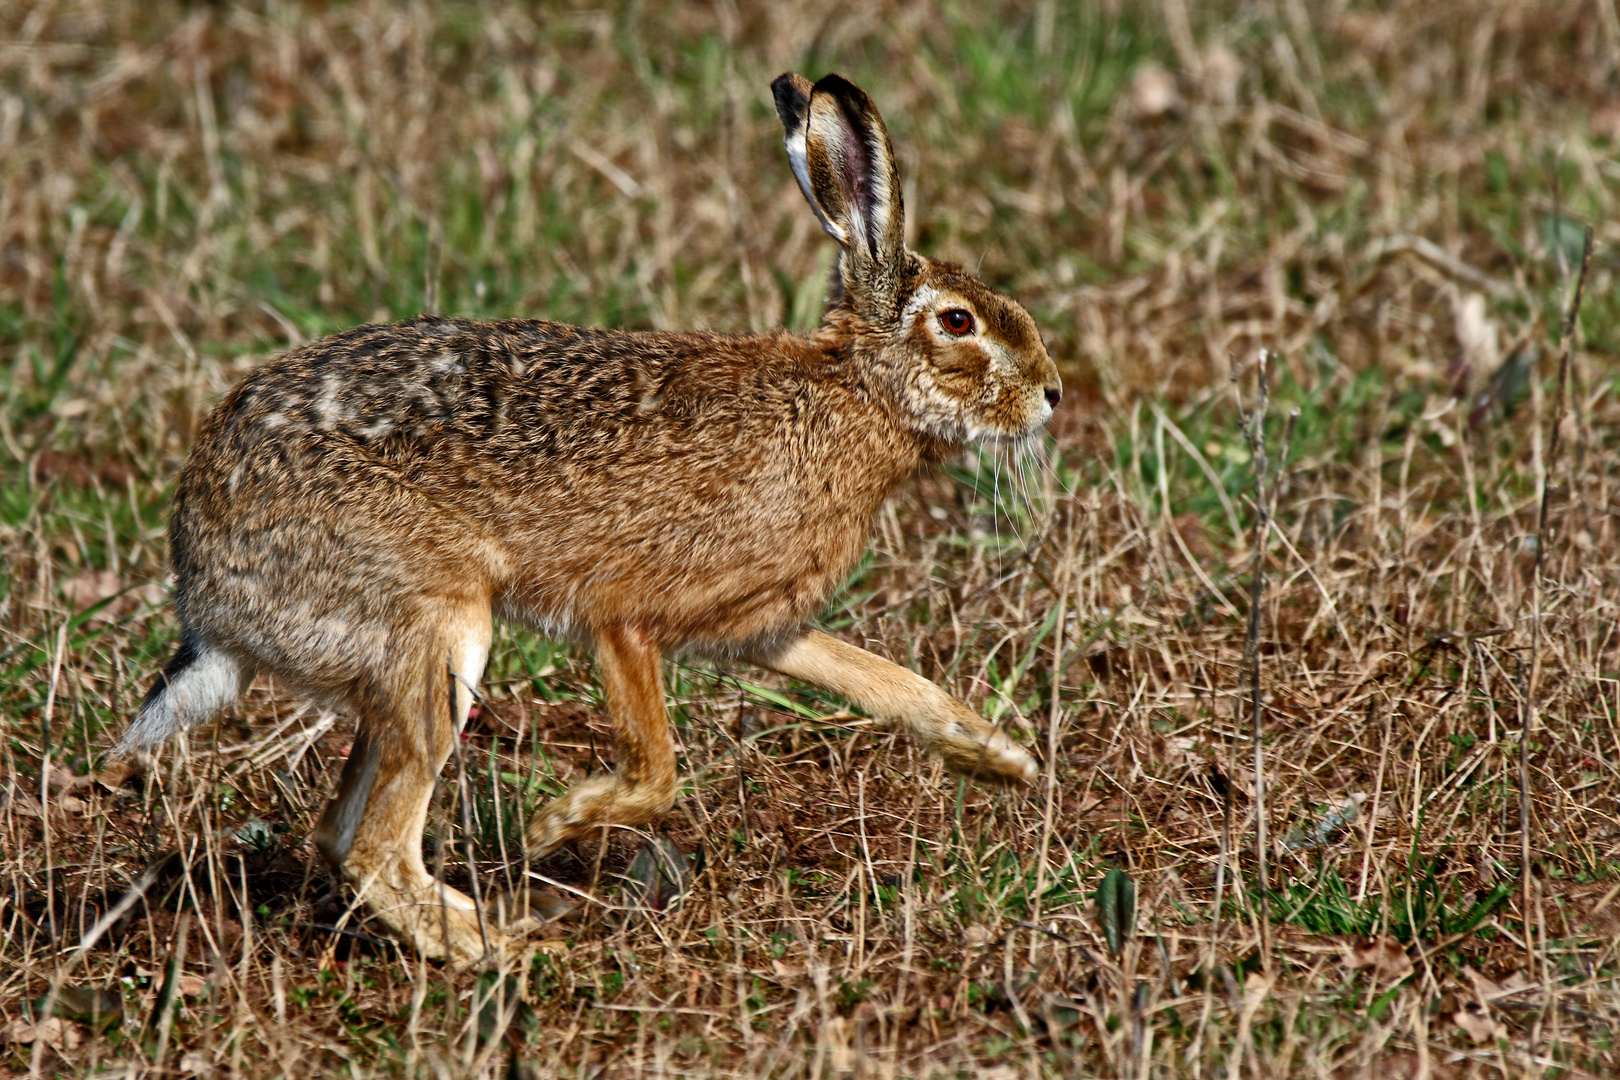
x,y
643,787
941,723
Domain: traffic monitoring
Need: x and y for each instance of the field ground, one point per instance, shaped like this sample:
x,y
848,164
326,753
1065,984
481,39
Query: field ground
x,y
1390,198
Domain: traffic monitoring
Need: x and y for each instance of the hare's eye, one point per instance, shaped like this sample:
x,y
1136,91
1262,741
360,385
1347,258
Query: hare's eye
x,y
956,321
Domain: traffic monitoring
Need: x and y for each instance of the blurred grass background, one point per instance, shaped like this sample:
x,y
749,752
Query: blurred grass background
x,y
1391,197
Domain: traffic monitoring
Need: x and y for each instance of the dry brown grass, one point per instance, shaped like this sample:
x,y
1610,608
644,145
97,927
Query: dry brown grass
x,y
1391,200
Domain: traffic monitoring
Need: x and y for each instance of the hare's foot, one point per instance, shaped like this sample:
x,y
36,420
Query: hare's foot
x,y
442,923
972,747
528,909
602,800
644,787
436,921
935,719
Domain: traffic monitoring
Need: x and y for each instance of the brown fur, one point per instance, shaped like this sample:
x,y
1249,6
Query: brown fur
x,y
355,513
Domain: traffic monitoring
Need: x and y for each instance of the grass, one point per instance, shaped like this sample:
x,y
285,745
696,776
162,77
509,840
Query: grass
x,y
1390,199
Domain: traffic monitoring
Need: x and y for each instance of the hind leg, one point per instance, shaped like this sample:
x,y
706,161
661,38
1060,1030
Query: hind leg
x,y
643,787
372,831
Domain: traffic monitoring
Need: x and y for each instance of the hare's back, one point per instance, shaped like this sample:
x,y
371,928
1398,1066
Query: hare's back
x,y
408,385
539,456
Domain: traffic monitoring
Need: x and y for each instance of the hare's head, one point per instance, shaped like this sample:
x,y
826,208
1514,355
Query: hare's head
x,y
966,362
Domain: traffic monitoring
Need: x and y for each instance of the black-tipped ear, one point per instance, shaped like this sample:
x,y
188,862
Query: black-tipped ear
x,y
792,93
842,159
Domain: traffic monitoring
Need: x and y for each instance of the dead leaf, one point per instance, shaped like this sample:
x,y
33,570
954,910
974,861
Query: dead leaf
x,y
1476,1020
1384,958
1516,983
113,776
90,587
1184,751
999,1072
1487,991
1255,990
56,1033
65,779
1603,917
26,805
658,876
1484,988
85,1004
529,908
192,985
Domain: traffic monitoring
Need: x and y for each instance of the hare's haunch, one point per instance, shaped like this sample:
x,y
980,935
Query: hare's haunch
x,y
356,513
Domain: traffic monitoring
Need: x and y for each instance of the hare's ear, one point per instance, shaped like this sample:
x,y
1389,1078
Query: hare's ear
x,y
840,153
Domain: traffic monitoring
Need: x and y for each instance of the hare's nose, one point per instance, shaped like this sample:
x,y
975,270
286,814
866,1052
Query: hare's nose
x,y
1054,394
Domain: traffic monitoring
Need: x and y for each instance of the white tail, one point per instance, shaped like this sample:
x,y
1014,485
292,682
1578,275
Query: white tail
x,y
195,684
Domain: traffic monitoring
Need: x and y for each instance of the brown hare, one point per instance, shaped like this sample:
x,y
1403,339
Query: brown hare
x,y
356,512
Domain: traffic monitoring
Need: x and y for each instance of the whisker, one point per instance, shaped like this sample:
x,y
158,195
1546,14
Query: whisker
x,y
1017,516
995,502
1028,503
1016,454
1015,491
1021,451
1043,454
977,499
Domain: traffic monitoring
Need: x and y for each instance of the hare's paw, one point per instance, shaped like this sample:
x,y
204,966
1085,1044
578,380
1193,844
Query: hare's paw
x,y
569,816
602,800
441,923
435,920
974,748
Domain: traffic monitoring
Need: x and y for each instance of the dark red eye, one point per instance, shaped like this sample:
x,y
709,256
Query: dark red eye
x,y
956,321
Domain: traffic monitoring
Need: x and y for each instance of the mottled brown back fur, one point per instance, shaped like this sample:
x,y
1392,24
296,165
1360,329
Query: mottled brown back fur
x,y
736,476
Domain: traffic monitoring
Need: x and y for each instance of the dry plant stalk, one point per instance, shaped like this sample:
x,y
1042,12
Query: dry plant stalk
x,y
1549,466
1265,496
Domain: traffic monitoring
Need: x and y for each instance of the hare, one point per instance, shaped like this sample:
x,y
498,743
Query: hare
x,y
356,512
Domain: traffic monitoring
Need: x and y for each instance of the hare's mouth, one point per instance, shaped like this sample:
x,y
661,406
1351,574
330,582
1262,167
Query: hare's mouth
x,y
994,435
999,432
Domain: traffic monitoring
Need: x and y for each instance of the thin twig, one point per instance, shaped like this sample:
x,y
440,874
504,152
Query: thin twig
x,y
1525,713
1224,784
163,1015
1053,716
1378,791
1528,700
1254,434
